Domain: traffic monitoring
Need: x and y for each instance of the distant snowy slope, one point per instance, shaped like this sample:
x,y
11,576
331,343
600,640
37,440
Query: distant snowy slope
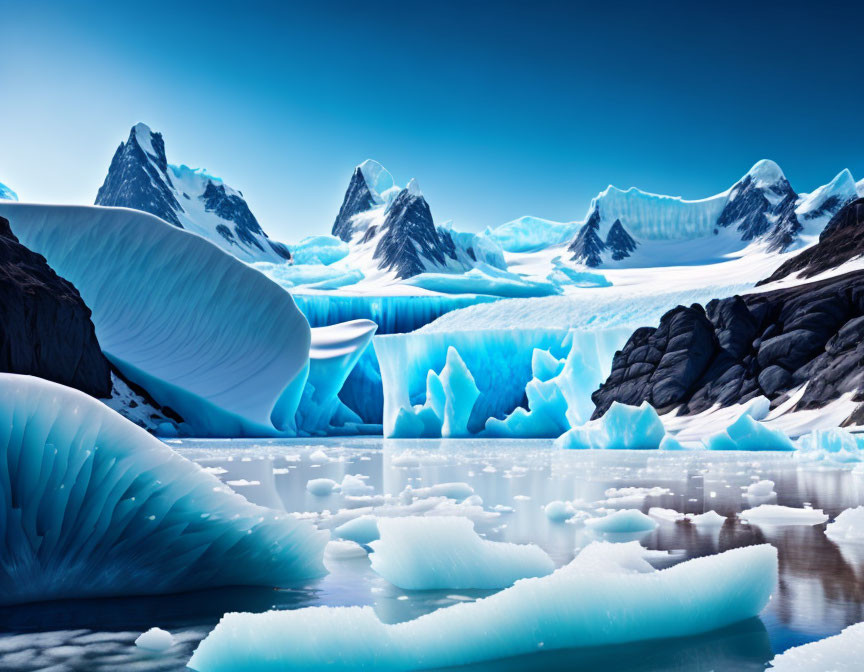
x,y
391,231
203,333
141,178
6,194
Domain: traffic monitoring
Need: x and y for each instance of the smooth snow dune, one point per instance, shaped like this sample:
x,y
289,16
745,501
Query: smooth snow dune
x,y
201,331
607,595
92,505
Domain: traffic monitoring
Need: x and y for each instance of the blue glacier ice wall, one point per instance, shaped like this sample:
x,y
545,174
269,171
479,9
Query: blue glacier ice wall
x,y
333,354
92,505
502,365
607,595
201,331
485,279
529,234
362,391
319,250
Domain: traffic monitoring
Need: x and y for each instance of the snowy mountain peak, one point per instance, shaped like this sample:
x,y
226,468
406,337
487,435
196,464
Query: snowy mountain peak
x,y
141,178
765,173
6,194
823,203
413,188
377,178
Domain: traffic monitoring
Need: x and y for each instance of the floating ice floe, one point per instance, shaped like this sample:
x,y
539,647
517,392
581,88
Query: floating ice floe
x,y
155,639
95,506
354,485
607,595
618,498
707,519
840,653
621,427
343,550
361,530
774,514
848,526
422,553
666,515
321,487
763,488
458,491
558,511
748,434
625,521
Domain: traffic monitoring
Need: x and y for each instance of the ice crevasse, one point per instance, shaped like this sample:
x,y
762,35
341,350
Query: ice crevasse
x,y
609,594
92,505
202,332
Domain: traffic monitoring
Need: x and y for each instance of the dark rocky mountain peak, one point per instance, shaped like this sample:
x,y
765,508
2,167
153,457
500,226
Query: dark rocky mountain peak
x,y
358,198
587,248
619,242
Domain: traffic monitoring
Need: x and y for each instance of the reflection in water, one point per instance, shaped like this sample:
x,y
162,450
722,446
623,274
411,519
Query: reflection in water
x,y
819,592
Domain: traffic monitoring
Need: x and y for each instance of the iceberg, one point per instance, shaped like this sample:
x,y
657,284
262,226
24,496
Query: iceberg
x,y
432,553
622,427
343,550
848,526
832,446
155,640
323,250
748,434
840,653
202,332
625,521
607,595
321,487
95,506
558,511
361,530
774,514
763,488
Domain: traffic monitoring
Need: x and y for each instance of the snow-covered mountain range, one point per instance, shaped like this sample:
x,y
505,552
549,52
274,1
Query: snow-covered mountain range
x,y
391,230
633,228
141,178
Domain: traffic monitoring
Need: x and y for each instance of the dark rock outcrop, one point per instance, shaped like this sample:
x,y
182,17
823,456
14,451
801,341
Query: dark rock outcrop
x,y
358,198
587,248
744,346
409,238
619,242
841,240
45,327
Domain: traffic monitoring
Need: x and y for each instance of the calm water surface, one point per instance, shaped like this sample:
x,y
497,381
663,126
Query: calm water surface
x,y
821,588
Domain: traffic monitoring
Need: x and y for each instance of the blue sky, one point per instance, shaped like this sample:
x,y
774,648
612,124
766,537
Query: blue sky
x,y
498,109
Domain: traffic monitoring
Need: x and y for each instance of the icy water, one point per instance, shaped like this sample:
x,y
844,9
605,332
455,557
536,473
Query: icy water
x,y
821,588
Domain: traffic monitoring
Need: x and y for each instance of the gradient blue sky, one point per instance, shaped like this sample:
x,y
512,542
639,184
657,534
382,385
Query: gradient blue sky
x,y
498,109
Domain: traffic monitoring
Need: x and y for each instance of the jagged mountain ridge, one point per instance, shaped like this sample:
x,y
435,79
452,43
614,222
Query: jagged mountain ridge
x,y
393,229
141,178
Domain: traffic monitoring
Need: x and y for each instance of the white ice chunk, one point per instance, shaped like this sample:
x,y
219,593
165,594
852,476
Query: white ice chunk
x,y
155,639
774,514
353,485
343,550
707,519
607,595
848,526
458,491
763,488
422,553
94,506
840,653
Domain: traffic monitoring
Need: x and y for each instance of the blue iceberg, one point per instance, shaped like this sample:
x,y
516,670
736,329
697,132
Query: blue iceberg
x,y
95,506
748,434
622,427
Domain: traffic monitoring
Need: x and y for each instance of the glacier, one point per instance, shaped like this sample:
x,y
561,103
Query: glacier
x,y
324,250
609,594
435,553
485,279
309,276
501,365
94,506
529,234
215,340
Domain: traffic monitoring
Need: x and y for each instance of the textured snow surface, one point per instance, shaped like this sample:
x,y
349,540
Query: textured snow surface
x,y
607,595
431,553
95,506
6,194
201,331
840,653
622,427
